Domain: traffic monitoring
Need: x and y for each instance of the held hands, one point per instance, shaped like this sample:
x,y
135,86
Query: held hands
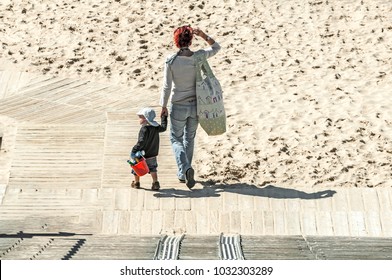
x,y
164,112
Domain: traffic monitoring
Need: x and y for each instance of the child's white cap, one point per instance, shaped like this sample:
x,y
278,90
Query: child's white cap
x,y
149,114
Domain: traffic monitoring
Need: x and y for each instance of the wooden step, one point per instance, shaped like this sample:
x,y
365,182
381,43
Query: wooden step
x,y
57,155
130,247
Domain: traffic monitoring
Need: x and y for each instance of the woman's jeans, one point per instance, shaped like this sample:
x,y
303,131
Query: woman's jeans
x,y
183,125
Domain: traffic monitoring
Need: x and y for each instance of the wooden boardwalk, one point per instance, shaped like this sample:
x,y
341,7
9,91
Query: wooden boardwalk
x,y
70,246
32,240
63,155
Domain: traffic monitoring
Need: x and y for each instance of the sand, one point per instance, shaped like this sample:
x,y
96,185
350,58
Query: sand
x,y
307,84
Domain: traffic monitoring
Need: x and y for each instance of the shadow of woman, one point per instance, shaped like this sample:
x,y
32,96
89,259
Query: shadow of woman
x,y
195,193
243,189
273,191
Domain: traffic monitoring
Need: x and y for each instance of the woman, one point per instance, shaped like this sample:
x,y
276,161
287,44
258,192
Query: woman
x,y
179,83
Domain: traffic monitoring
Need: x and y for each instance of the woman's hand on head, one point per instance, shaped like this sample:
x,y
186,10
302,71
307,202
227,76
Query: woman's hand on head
x,y
198,32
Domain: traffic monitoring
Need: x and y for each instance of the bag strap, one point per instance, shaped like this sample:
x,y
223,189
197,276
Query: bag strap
x,y
207,69
198,62
202,66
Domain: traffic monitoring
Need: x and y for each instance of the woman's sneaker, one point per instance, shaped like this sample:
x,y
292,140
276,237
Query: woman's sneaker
x,y
189,178
155,186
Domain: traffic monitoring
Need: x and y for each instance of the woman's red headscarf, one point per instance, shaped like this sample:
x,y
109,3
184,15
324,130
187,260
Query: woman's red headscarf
x,y
183,36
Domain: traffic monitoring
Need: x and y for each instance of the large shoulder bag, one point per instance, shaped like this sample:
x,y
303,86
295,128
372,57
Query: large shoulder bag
x,y
210,107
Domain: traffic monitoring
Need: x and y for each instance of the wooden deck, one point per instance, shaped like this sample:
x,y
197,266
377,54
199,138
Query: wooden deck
x,y
65,143
63,156
32,239
70,246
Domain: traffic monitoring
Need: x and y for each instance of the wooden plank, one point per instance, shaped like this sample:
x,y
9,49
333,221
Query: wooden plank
x,y
11,81
293,205
357,224
386,223
50,86
246,222
16,104
110,222
275,247
4,77
3,188
183,204
338,248
280,222
269,222
202,221
373,223
324,204
122,199
151,202
340,223
41,82
235,222
340,201
230,201
384,199
309,225
214,222
120,247
355,199
61,94
277,203
224,222
135,222
157,222
179,222
168,203
39,149
27,249
245,202
191,222
293,223
258,223
146,222
324,223
199,248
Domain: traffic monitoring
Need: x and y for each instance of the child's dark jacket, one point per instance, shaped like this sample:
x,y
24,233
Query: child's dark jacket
x,y
148,139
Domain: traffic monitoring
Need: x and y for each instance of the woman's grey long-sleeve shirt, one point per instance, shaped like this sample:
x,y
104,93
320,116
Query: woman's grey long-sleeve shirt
x,y
180,77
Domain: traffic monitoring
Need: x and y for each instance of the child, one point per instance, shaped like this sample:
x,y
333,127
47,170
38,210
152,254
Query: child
x,y
148,141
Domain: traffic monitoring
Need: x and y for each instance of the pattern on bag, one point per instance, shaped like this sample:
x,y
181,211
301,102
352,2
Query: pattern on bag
x,y
213,92
215,113
210,93
211,111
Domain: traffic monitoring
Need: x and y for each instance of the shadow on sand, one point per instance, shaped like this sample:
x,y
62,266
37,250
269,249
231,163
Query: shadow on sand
x,y
243,189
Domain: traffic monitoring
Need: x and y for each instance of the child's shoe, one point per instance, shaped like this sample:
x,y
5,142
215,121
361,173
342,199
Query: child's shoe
x,y
155,186
135,185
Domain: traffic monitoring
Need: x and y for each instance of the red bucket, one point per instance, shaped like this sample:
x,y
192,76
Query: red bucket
x,y
141,168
